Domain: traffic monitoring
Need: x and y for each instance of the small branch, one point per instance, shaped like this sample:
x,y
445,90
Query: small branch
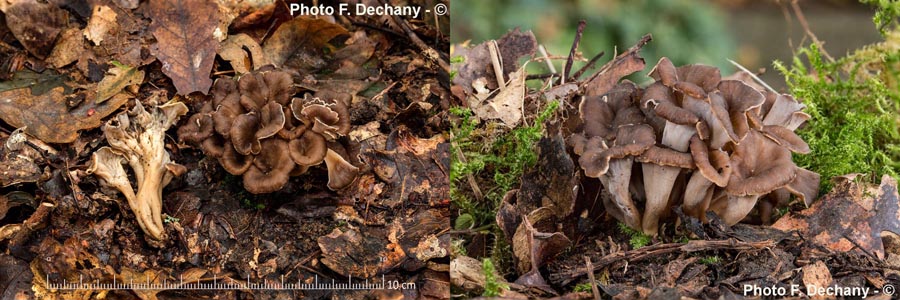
x,y
497,63
571,58
540,76
757,79
547,59
564,278
588,66
802,20
428,51
590,266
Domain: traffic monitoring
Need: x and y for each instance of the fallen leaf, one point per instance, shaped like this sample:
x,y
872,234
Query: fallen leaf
x,y
54,122
36,25
535,243
297,42
68,49
850,217
185,43
816,275
232,50
413,168
507,105
39,83
15,278
102,20
609,75
120,76
361,253
477,60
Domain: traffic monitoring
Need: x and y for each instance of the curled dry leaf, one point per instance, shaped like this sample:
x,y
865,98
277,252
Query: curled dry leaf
x,y
54,122
185,43
232,50
296,42
507,105
361,253
511,46
68,49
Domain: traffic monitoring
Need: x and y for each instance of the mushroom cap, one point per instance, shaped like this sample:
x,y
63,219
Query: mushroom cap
x,y
270,169
243,134
281,87
340,172
662,100
309,149
786,138
731,103
331,119
197,128
214,146
271,119
226,112
666,157
710,170
233,162
785,111
664,72
254,91
805,186
705,77
631,140
107,164
222,89
759,166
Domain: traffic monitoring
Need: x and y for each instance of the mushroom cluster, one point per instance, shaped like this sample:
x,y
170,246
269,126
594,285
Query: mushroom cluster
x,y
257,129
703,142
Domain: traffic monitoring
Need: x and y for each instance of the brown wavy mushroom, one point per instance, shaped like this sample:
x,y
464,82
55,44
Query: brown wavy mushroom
x,y
341,172
271,169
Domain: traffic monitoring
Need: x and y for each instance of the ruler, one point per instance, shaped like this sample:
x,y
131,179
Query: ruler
x,y
348,285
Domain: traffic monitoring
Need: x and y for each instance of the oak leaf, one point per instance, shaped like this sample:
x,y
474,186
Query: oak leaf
x,y
232,50
48,117
185,43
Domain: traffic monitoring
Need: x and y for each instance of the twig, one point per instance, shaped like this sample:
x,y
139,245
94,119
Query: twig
x,y
590,64
802,20
497,63
471,179
564,278
568,69
590,266
540,76
757,79
373,27
617,60
428,51
547,59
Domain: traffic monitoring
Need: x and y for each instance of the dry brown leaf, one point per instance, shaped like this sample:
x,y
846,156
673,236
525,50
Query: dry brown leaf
x,y
477,62
36,25
852,216
118,78
68,49
294,42
185,43
507,105
623,65
102,21
54,122
232,50
816,275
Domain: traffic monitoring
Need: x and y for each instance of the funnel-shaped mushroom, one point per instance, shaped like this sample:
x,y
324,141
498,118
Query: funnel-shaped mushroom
x,y
138,138
270,169
614,117
340,172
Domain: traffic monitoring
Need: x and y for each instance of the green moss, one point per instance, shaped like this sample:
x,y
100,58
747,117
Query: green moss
x,y
638,239
496,157
710,260
582,287
492,286
853,103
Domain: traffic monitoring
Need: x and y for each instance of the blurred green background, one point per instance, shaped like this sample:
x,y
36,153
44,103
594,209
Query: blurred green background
x,y
751,32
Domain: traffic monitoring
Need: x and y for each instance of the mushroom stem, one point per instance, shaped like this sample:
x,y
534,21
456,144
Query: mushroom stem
x,y
735,208
659,180
618,181
697,195
150,194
